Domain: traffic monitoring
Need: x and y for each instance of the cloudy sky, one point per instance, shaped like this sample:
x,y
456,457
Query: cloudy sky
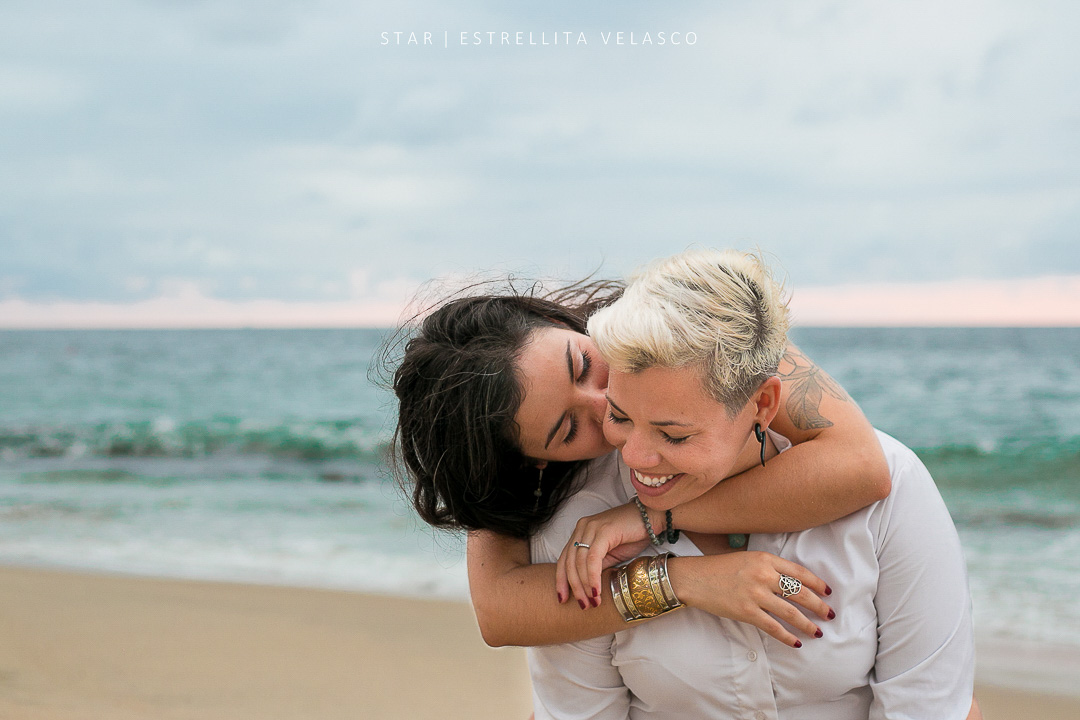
x,y
285,162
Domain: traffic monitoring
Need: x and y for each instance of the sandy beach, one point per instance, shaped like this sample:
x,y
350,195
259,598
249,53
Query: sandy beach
x,y
77,646
88,647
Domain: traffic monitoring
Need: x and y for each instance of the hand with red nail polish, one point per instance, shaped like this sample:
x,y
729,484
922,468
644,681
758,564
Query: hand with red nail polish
x,y
745,586
599,541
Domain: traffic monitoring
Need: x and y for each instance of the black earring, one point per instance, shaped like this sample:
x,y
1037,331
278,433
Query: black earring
x,y
537,493
760,435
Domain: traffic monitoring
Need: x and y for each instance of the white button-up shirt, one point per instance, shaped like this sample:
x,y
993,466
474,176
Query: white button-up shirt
x,y
900,647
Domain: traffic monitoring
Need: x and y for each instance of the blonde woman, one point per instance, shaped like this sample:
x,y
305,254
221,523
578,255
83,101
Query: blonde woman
x,y
693,348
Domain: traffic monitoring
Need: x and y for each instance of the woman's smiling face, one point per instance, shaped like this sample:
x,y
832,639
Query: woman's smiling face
x,y
564,380
679,441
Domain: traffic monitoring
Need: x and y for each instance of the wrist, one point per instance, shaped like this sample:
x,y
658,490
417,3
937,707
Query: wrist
x,y
648,528
658,518
682,579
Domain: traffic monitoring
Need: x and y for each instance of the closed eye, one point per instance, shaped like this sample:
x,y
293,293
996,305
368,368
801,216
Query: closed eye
x,y
617,420
572,432
674,440
586,365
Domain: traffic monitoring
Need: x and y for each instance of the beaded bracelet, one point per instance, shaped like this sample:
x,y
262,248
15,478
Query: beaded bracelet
x,y
670,535
648,525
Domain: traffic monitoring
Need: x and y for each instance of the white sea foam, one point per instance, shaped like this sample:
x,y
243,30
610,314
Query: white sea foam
x,y
349,536
349,570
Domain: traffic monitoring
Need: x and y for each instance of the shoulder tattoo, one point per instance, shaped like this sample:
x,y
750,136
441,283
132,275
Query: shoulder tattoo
x,y
806,385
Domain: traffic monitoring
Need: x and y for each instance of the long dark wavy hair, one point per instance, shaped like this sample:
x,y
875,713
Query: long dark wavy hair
x,y
454,372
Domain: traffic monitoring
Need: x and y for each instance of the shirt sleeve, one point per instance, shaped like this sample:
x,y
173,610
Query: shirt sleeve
x,y
576,681
925,662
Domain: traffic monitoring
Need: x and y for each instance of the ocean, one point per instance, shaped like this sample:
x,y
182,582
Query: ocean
x,y
259,455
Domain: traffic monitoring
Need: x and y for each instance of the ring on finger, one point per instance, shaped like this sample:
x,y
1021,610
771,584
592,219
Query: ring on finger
x,y
581,544
789,586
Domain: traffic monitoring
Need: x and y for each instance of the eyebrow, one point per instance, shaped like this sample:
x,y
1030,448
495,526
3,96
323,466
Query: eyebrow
x,y
562,418
658,423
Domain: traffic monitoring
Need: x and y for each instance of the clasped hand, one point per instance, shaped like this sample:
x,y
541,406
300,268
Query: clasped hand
x,y
742,586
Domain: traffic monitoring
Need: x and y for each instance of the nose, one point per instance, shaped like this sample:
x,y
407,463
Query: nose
x,y
637,451
595,403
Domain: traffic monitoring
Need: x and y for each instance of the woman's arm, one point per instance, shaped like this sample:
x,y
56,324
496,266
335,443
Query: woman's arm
x,y
840,472
515,602
811,484
515,605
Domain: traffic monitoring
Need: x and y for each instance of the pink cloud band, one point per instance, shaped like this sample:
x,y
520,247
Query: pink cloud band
x,y
1045,301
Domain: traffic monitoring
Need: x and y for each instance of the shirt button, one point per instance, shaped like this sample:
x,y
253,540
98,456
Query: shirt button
x,y
759,715
751,656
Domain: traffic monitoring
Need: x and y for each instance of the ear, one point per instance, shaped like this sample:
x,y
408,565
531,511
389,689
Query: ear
x,y
766,401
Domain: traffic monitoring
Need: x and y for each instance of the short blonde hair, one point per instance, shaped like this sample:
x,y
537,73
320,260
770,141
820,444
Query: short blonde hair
x,y
721,311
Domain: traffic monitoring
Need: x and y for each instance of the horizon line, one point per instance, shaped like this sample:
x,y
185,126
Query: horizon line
x,y
1048,301
794,327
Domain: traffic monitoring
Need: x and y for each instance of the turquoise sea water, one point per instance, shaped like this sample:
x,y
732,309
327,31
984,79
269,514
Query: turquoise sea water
x,y
259,455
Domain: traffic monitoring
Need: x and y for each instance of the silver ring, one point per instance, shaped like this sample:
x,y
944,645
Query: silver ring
x,y
579,544
789,586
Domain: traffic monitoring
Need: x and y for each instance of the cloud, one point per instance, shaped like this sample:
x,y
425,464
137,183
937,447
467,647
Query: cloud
x,y
186,305
29,91
269,150
1045,301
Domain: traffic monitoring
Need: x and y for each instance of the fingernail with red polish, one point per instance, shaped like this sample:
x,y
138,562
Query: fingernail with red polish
x,y
832,613
560,596
596,592
798,643
828,590
582,604
594,602
818,634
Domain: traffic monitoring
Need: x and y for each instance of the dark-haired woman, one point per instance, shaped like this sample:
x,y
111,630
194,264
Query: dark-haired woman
x,y
501,404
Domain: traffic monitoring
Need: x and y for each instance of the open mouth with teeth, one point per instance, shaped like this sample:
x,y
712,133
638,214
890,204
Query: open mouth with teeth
x,y
653,481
